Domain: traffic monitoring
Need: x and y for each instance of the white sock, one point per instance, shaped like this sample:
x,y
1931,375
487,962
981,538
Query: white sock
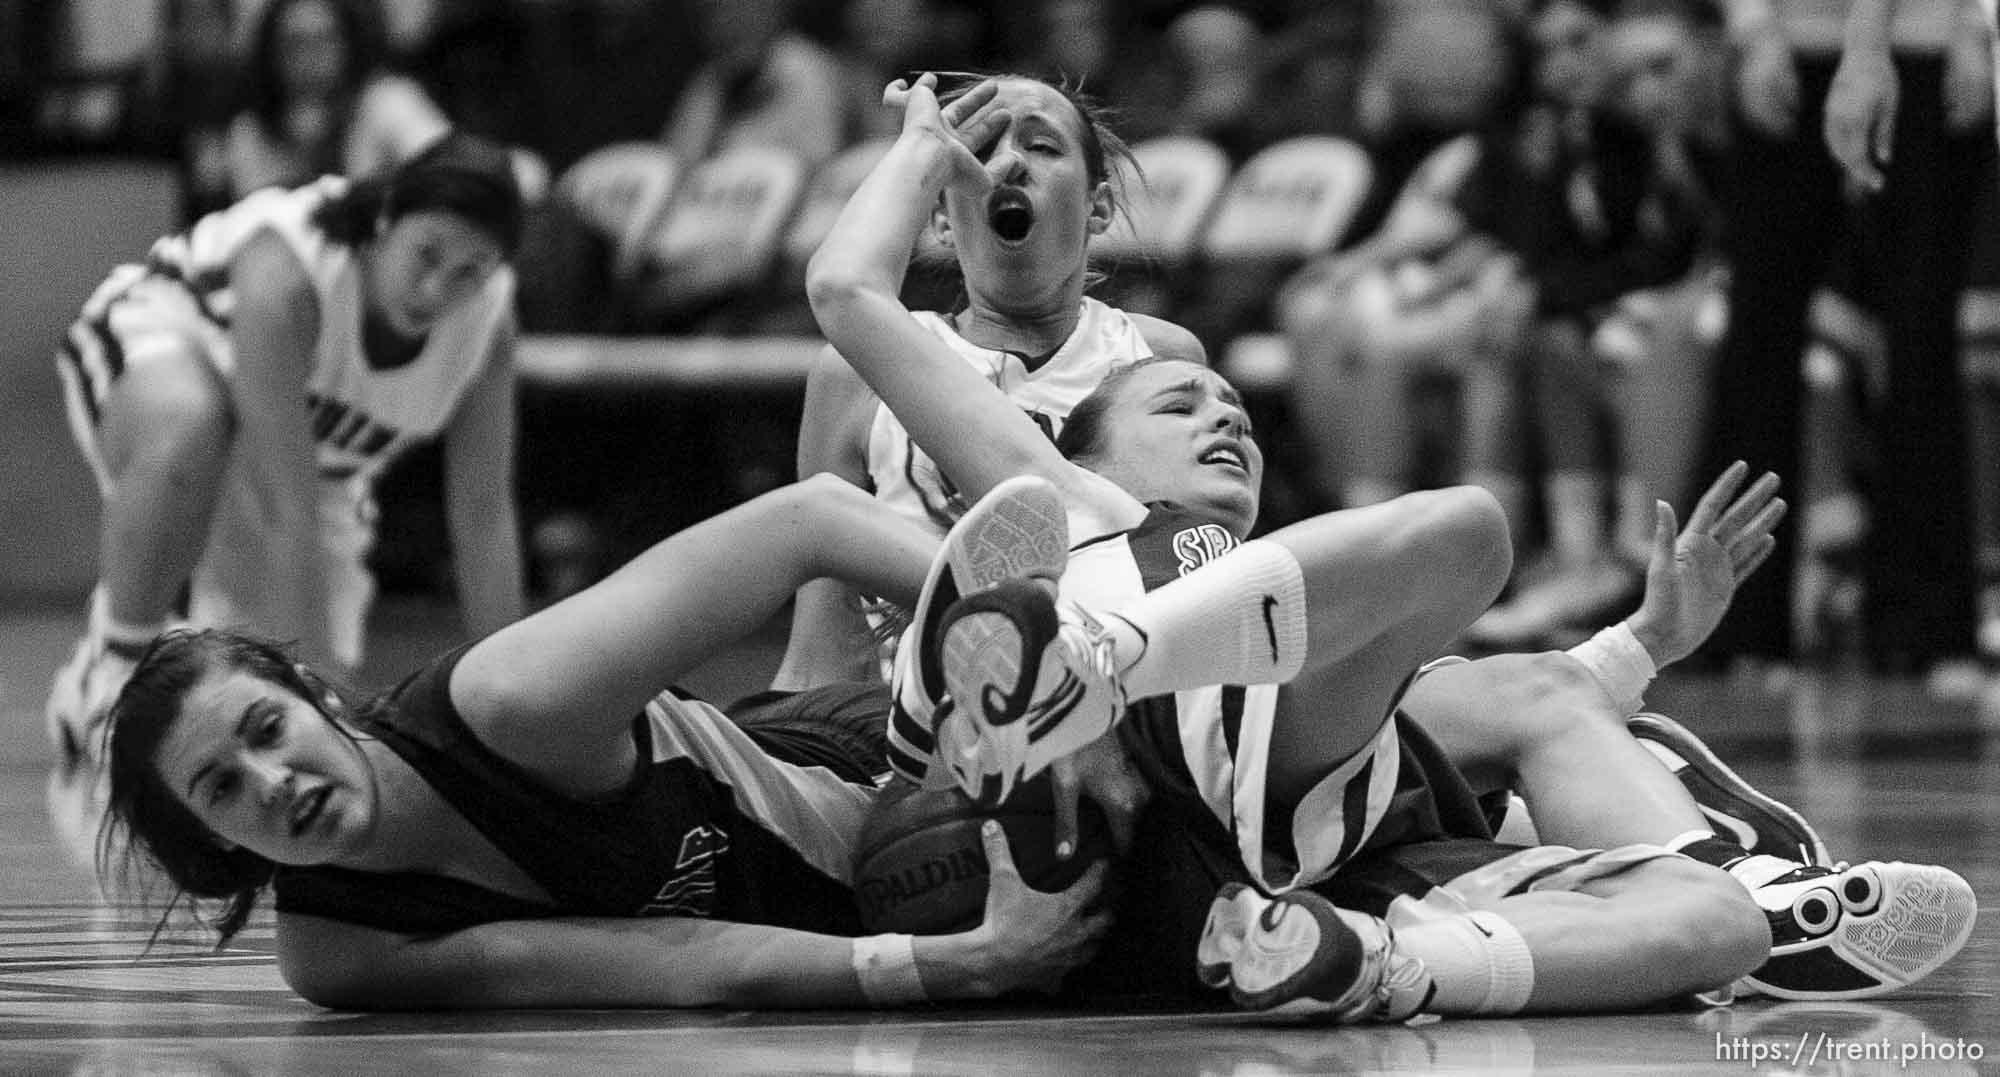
x,y
1240,619
1576,516
1479,963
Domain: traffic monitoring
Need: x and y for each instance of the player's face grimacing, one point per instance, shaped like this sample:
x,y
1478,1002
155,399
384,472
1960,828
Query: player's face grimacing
x,y
1029,233
425,263
1177,432
265,770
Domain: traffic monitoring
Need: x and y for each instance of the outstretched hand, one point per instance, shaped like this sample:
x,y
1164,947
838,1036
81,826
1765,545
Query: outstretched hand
x,y
1692,577
965,129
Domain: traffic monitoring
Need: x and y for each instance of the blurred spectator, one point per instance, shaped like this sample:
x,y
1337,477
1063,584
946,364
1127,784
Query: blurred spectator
x,y
1215,49
1781,204
878,41
318,99
1418,299
1627,310
761,83
188,95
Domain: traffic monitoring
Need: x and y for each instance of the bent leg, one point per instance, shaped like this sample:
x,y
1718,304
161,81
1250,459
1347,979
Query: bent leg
x,y
1541,725
1665,928
164,438
1388,588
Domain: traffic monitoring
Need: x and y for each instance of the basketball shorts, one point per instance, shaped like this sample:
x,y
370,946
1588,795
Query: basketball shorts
x,y
1433,854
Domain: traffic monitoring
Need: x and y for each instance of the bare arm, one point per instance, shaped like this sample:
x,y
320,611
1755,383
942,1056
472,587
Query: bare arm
x,y
485,522
1026,940
829,638
274,333
966,424
558,690
1860,123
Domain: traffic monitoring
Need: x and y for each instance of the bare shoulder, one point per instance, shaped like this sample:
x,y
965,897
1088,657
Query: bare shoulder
x,y
1169,340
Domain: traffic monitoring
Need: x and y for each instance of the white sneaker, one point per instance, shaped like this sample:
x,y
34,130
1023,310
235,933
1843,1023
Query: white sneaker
x,y
1031,680
1020,528
80,701
1845,932
1301,947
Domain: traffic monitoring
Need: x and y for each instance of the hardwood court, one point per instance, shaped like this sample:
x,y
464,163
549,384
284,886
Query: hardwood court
x,y
1885,770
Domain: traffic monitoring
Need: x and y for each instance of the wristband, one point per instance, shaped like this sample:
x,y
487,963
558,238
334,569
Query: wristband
x,y
887,968
1620,663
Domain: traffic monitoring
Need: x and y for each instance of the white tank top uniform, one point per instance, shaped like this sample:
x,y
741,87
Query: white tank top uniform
x,y
362,417
908,481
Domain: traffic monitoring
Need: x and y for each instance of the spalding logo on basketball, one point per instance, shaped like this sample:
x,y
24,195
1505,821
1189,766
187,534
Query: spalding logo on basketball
x,y
920,866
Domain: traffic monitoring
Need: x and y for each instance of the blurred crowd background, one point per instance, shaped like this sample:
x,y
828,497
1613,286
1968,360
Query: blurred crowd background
x,y
1583,252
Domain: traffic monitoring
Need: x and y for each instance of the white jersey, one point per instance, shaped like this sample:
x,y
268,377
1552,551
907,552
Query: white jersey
x,y
908,481
1216,740
362,418
1213,743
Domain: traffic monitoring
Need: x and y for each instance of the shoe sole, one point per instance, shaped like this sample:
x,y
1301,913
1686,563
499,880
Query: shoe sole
x,y
1803,842
1222,935
1295,948
1924,916
1019,528
992,645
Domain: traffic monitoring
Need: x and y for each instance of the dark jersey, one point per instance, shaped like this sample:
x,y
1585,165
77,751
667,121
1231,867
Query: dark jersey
x,y
710,825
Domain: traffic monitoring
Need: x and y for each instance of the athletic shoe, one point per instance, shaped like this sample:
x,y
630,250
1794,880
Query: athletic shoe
x,y
1736,809
1019,528
1854,932
80,699
1301,947
1031,681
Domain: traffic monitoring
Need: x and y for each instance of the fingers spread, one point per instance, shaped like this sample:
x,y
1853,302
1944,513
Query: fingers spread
x,y
970,102
1709,508
1750,505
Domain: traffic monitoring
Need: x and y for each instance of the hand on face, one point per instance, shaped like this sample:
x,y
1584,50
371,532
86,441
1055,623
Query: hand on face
x,y
966,129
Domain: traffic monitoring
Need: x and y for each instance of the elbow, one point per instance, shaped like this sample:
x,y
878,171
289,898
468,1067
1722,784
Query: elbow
x,y
833,283
333,981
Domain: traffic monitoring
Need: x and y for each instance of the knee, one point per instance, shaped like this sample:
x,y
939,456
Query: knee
x,y
1476,543
1717,933
173,410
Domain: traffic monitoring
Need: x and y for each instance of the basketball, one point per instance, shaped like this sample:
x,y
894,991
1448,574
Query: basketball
x,y
920,866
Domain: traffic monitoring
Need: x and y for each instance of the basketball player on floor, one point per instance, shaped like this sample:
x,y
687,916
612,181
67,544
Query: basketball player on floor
x,y
1373,609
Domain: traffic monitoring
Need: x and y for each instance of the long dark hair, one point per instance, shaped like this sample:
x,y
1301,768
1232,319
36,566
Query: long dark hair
x,y
460,173
264,82
145,823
